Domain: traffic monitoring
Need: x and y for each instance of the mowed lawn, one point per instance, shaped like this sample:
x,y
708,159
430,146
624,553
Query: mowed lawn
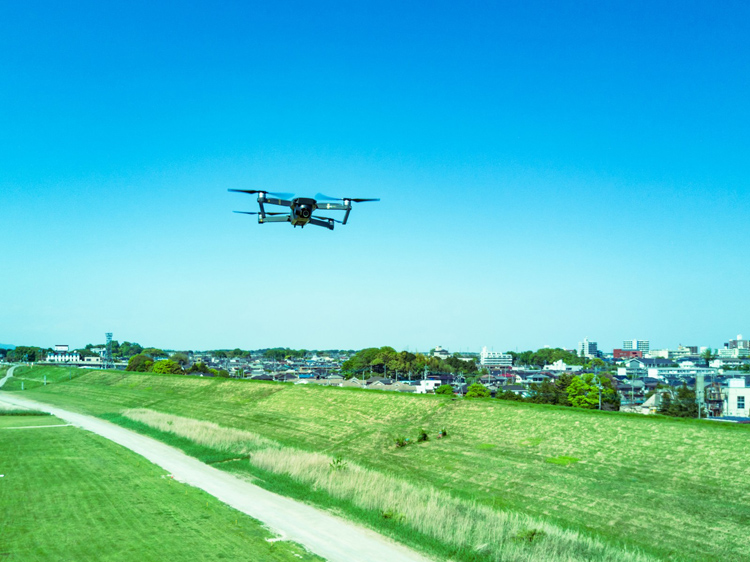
x,y
69,495
33,377
677,489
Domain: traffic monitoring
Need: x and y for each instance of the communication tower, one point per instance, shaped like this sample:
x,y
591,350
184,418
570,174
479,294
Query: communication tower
x,y
108,362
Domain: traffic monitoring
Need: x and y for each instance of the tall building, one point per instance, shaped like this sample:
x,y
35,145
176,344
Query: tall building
x,y
588,349
495,358
639,345
739,343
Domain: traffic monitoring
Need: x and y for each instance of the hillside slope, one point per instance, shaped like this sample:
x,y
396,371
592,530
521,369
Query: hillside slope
x,y
675,488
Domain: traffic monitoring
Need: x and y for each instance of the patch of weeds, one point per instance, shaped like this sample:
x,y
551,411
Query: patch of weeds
x,y
390,514
486,446
401,441
337,463
562,460
529,535
422,436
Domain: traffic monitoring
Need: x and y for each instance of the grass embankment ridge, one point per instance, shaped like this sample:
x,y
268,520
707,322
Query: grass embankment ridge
x,y
674,488
67,494
467,529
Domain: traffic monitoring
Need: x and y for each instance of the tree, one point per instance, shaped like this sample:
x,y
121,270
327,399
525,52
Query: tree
x,y
166,367
708,355
140,363
477,390
180,358
153,352
445,389
199,367
583,392
680,404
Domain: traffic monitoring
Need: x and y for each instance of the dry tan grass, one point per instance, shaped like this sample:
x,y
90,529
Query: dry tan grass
x,y
459,523
202,432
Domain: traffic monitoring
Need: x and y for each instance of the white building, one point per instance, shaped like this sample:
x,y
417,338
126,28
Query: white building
x,y
63,357
637,345
560,365
733,352
441,353
736,399
588,349
495,358
427,385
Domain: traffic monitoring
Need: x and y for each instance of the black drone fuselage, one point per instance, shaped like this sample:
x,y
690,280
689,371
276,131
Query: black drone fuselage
x,y
301,210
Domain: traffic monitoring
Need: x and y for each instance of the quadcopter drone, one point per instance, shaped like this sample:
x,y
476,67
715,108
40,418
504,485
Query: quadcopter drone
x,y
301,209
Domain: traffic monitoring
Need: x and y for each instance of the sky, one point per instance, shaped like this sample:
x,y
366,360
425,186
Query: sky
x,y
548,171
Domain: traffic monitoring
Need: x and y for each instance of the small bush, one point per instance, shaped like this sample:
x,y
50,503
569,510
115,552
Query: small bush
x,y
529,535
401,441
337,463
391,514
422,436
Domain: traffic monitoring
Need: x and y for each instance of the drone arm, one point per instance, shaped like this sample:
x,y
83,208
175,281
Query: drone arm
x,y
274,201
332,206
327,223
281,218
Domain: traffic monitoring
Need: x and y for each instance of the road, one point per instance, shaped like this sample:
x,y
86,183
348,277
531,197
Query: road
x,y
320,532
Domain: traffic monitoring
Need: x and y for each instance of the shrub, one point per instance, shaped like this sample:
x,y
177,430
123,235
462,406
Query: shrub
x,y
477,390
529,535
337,463
445,389
422,436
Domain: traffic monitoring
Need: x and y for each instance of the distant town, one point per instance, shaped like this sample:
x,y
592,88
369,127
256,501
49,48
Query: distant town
x,y
689,381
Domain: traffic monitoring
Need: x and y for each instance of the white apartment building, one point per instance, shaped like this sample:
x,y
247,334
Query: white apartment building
x,y
495,358
736,399
637,345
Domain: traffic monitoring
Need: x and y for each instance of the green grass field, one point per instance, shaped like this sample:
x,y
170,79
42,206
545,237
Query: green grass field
x,y
33,377
675,489
69,495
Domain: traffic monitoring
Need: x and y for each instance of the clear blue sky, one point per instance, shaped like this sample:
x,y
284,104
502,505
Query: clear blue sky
x,y
547,173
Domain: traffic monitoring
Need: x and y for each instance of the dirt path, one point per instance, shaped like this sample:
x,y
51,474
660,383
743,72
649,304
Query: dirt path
x,y
332,538
8,375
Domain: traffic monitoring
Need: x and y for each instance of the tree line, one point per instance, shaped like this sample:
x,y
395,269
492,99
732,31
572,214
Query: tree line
x,y
384,360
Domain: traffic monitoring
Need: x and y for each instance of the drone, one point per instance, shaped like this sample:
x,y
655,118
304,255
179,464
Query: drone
x,y
301,209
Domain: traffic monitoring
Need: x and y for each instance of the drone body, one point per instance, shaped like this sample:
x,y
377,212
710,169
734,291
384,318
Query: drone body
x,y
301,209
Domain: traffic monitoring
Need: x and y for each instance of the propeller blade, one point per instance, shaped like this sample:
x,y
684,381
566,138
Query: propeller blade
x,y
321,197
252,191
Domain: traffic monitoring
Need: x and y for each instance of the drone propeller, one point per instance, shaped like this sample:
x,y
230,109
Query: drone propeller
x,y
321,197
251,213
274,194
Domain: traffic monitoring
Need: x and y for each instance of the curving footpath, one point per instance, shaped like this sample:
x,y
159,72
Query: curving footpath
x,y
7,375
320,532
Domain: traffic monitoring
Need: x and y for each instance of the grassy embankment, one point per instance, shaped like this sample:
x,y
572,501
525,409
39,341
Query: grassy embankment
x,y
67,494
676,489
